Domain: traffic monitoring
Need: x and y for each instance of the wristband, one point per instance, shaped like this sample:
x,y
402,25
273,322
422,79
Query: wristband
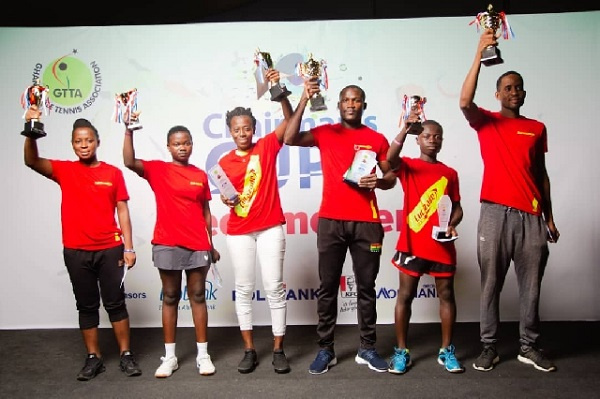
x,y
397,142
128,133
131,251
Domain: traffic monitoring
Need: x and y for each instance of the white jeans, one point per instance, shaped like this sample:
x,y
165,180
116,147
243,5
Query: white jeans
x,y
268,247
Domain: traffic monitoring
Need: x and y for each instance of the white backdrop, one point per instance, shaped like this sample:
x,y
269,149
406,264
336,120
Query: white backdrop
x,y
192,74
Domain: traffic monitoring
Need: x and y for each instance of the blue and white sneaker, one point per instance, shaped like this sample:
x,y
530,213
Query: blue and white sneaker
x,y
400,361
325,358
447,359
371,358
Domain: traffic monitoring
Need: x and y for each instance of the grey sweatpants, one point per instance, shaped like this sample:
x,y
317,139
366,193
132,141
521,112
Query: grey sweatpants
x,y
504,235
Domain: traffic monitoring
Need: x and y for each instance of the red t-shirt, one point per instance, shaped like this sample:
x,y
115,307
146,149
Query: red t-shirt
x,y
180,193
254,176
510,148
337,145
89,200
424,183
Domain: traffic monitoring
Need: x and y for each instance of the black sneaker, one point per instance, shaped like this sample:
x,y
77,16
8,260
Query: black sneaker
x,y
93,366
128,365
249,362
280,362
488,358
535,357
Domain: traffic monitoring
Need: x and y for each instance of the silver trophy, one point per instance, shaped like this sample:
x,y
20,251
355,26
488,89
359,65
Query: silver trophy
x,y
444,211
36,94
413,106
314,68
126,109
490,19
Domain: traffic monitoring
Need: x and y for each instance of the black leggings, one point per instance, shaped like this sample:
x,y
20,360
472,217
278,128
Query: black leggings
x,y
94,274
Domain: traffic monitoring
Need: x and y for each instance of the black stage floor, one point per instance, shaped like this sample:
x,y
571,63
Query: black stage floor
x,y
44,363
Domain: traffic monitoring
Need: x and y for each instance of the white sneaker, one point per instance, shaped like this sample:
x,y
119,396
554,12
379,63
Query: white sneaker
x,y
167,367
205,366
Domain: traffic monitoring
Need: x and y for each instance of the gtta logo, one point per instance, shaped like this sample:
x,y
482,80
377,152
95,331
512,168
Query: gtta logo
x,y
73,84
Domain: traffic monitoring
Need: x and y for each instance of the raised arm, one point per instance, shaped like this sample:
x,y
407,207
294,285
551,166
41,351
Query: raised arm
x,y
393,154
467,93
129,159
286,106
31,155
397,143
292,135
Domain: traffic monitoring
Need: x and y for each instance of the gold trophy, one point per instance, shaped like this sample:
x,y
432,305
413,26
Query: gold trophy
x,y
125,109
491,19
413,106
36,94
312,68
264,62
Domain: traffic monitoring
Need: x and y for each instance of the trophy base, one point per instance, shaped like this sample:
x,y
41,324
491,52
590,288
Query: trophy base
x,y
317,103
134,126
34,129
414,128
491,56
279,92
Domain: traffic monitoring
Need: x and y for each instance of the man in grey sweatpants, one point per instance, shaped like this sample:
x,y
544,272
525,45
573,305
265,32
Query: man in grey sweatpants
x,y
516,220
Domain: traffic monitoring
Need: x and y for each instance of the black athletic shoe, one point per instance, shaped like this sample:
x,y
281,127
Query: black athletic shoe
x,y
128,365
93,366
488,358
249,362
536,358
280,362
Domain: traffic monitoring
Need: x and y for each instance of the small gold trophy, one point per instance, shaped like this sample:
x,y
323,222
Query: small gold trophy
x,y
413,106
36,94
125,109
312,68
264,62
491,19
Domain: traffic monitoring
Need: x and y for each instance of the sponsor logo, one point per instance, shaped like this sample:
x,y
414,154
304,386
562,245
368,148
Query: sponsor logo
x,y
520,133
135,295
348,287
301,294
210,294
73,84
425,291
